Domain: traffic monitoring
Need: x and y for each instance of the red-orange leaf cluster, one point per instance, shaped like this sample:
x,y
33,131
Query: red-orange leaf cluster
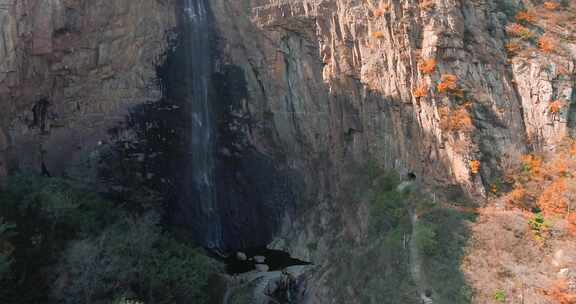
x,y
458,120
518,30
560,293
427,5
550,5
526,17
553,201
474,167
420,91
428,66
547,44
556,106
378,35
449,85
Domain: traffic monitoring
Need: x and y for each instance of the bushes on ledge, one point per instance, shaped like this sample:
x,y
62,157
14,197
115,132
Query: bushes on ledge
x,y
74,246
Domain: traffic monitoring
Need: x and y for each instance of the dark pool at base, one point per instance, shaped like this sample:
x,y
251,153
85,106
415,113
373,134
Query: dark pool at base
x,y
275,259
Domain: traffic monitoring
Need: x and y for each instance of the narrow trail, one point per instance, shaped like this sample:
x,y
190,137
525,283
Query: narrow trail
x,y
416,263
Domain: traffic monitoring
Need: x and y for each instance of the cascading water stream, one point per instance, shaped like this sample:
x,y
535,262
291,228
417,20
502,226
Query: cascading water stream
x,y
197,41
218,186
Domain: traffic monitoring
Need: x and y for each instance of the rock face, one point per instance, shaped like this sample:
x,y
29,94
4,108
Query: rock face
x,y
90,60
335,82
327,83
337,78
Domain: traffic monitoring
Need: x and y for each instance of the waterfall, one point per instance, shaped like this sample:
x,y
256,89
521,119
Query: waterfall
x,y
197,44
217,185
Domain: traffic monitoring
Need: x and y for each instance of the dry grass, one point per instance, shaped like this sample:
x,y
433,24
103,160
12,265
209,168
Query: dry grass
x,y
502,255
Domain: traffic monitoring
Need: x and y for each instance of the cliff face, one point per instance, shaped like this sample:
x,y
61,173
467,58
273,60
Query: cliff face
x,y
336,82
339,78
70,69
440,89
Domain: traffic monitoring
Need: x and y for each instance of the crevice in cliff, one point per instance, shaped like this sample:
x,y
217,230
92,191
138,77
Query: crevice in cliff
x,y
40,115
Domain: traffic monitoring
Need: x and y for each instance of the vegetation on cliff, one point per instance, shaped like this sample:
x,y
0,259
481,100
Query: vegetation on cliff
x,y
71,245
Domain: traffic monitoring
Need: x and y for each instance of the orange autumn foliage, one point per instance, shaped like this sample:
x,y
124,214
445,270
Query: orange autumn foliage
x,y
518,30
548,183
553,201
525,16
427,4
558,167
458,120
547,44
449,85
474,167
560,293
533,164
518,193
461,120
420,91
572,223
428,66
549,5
378,35
556,106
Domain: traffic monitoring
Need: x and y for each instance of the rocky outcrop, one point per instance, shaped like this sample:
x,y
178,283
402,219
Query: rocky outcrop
x,y
90,60
338,78
334,82
324,84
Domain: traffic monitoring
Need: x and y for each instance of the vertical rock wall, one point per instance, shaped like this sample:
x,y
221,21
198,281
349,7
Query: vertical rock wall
x,y
90,60
336,78
333,82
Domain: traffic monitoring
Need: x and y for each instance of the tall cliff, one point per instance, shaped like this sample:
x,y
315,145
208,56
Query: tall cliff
x,y
452,92
70,69
339,78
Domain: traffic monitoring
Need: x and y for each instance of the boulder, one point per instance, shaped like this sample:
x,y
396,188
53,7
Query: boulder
x,y
262,267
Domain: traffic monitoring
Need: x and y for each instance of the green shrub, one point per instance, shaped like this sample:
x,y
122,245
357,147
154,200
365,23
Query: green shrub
x,y
500,296
443,268
96,251
5,263
178,271
387,209
426,238
538,225
133,256
7,230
